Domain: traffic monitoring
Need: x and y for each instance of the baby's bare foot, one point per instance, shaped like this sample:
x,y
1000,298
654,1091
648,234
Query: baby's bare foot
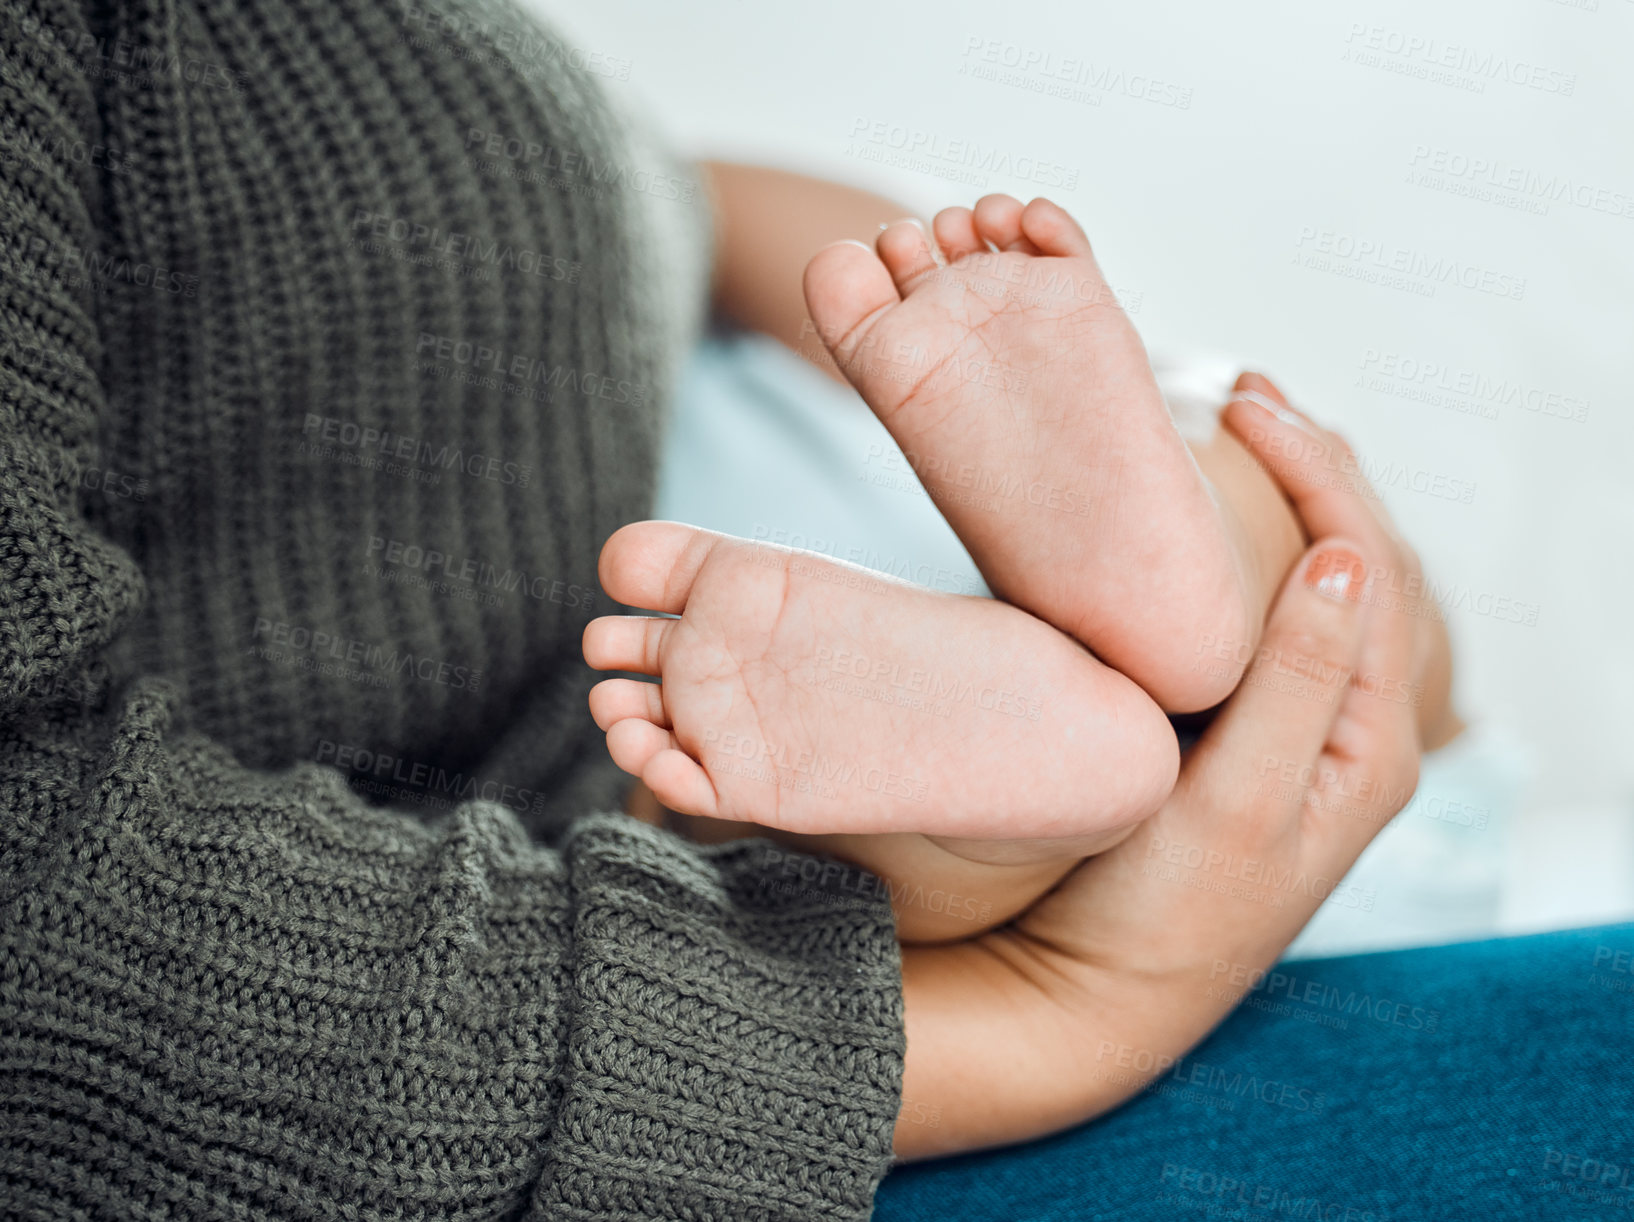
x,y
814,696
1022,395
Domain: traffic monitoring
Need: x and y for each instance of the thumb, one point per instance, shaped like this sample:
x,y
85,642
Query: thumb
x,y
1272,731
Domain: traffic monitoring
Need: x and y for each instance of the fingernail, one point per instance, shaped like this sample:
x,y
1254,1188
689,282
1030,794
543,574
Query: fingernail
x,y
1337,573
1271,407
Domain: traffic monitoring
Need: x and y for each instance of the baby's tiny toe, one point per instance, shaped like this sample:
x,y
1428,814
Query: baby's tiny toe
x,y
612,700
845,285
905,250
1052,230
680,783
1260,384
998,220
626,642
634,742
653,564
955,230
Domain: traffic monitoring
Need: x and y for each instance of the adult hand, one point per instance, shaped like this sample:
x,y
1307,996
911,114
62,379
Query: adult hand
x,y
1108,980
1305,458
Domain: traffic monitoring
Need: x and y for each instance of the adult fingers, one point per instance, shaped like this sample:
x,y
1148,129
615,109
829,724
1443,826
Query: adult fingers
x,y
1373,749
1315,466
1239,798
1260,752
1321,476
1315,469
1251,383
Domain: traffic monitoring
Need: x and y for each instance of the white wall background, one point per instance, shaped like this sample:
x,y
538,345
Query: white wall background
x,y
1300,120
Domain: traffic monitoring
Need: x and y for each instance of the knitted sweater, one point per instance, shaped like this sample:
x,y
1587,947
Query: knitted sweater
x,y
333,337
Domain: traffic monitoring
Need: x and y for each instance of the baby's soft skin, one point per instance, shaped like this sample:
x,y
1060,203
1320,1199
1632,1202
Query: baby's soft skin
x,y
799,696
1007,1031
1001,362
790,683
809,696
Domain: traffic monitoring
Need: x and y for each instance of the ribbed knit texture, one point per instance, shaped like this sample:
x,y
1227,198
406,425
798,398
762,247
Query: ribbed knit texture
x,y
333,338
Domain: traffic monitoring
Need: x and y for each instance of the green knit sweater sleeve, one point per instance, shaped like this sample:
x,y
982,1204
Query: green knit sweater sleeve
x,y
245,993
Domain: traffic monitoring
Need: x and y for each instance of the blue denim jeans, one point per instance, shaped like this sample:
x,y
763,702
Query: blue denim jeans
x,y
1486,1080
